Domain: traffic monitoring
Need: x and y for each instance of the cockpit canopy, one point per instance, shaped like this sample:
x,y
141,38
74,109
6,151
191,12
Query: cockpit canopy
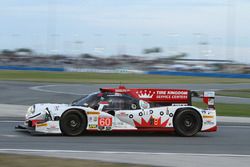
x,y
115,101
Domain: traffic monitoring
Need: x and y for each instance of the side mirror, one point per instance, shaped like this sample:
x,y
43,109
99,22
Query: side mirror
x,y
143,104
102,104
85,105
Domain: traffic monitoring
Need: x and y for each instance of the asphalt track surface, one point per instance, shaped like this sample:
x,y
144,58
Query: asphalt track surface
x,y
28,93
231,139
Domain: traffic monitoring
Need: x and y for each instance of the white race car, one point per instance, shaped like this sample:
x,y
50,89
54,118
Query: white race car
x,y
125,109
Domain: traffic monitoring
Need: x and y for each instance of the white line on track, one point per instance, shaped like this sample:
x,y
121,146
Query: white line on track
x,y
235,126
12,136
41,89
120,152
7,121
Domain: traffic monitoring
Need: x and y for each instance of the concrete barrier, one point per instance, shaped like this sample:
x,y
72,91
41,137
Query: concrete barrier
x,y
200,74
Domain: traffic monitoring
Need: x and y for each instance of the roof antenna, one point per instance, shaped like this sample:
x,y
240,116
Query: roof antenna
x,y
121,86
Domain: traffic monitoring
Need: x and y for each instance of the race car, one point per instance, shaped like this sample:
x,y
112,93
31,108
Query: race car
x,y
125,109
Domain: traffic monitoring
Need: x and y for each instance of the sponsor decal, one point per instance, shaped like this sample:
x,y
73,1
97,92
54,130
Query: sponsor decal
x,y
145,94
209,123
211,101
56,108
161,113
101,128
133,106
93,113
171,114
177,92
172,94
123,114
179,104
152,122
167,111
90,119
42,124
209,94
122,90
95,119
108,128
92,126
104,122
149,112
143,104
208,116
171,97
53,126
131,116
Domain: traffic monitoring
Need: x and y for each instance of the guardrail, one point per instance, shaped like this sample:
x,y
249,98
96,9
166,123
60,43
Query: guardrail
x,y
174,73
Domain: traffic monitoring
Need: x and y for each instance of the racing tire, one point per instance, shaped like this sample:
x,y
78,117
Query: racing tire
x,y
73,123
187,122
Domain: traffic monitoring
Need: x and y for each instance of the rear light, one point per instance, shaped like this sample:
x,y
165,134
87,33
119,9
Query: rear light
x,y
208,98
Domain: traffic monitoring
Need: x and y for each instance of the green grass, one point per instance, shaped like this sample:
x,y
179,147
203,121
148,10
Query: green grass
x,y
73,77
7,160
245,93
222,109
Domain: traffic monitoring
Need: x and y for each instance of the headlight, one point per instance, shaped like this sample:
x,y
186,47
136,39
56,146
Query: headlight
x,y
31,110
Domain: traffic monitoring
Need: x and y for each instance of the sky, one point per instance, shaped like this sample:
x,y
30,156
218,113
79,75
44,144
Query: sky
x,y
212,29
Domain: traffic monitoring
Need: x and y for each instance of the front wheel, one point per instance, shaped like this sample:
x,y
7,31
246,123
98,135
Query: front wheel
x,y
73,123
187,122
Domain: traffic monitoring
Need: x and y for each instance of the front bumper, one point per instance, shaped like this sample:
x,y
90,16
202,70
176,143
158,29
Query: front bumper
x,y
49,127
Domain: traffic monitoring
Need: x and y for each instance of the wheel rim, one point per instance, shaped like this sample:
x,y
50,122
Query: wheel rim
x,y
74,123
188,123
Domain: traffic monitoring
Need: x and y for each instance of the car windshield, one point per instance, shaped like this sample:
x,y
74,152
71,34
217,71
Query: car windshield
x,y
89,100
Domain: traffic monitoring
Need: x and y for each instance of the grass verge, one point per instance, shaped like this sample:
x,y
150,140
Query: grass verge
x,y
245,93
74,77
7,160
222,109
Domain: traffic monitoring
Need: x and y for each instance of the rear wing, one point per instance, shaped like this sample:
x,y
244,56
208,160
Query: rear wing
x,y
207,97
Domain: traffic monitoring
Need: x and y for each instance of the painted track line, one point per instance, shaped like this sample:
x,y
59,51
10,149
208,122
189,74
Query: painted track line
x,y
40,88
120,152
10,121
9,135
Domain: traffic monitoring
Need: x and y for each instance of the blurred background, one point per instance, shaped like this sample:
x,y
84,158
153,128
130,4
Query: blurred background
x,y
126,36
56,51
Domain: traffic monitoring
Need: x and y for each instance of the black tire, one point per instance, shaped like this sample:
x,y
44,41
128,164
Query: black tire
x,y
73,123
187,122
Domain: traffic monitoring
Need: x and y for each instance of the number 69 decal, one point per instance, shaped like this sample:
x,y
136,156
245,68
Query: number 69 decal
x,y
104,121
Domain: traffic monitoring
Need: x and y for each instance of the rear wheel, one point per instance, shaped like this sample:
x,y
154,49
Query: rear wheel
x,y
187,122
73,123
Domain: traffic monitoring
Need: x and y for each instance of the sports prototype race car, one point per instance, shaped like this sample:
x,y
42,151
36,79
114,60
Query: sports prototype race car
x,y
125,109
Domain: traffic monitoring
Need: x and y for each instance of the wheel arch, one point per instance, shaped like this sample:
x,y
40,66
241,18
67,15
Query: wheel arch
x,y
189,108
76,109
